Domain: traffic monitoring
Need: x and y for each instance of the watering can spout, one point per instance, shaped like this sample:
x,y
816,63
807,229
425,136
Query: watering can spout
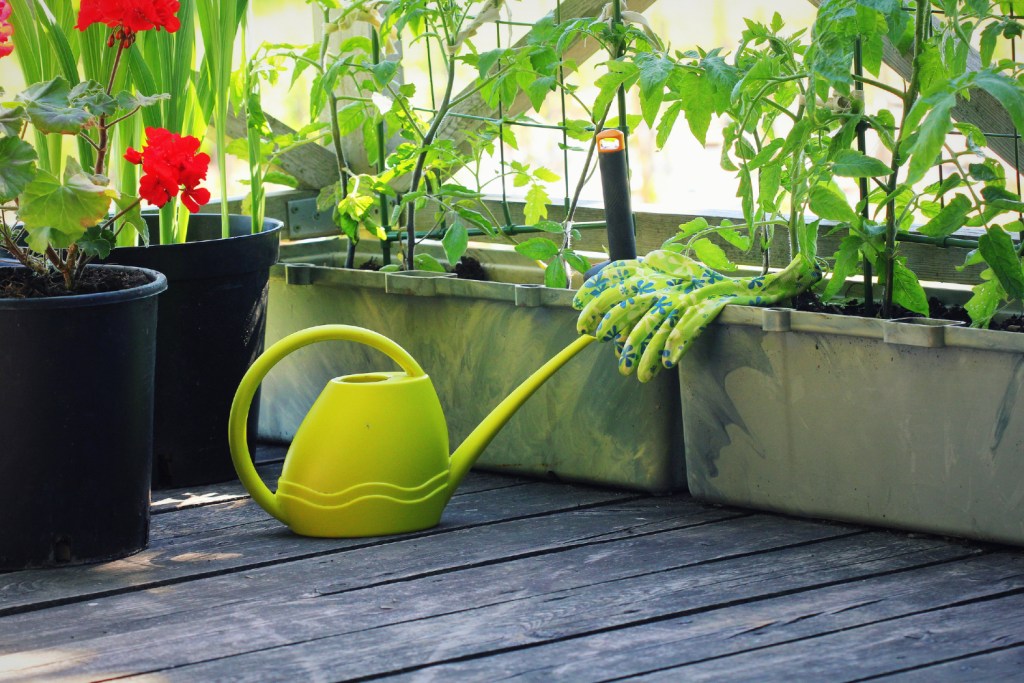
x,y
470,449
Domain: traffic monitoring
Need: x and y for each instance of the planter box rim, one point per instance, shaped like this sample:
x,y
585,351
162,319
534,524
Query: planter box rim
x,y
949,333
442,285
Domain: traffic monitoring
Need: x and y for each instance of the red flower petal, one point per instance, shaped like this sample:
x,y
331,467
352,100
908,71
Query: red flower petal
x,y
6,29
131,15
171,163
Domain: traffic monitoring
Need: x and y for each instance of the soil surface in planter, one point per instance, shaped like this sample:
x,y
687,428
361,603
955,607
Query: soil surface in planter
x,y
468,268
938,310
21,283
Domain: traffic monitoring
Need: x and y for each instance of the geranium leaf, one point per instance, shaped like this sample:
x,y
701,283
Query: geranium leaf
x,y
17,167
12,118
65,207
134,216
128,101
50,110
97,242
92,96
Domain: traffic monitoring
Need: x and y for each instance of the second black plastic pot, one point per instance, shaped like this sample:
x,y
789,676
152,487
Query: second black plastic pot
x,y
212,321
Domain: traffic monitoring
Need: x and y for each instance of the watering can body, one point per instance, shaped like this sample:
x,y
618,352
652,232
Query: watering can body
x,y
371,456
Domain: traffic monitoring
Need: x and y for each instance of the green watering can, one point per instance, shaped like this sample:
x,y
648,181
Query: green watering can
x,y
371,457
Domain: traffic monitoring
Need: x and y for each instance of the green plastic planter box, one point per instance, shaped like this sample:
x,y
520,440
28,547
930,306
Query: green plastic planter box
x,y
478,341
914,425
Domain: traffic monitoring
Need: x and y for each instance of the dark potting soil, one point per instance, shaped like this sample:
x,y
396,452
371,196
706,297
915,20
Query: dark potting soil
x,y
21,283
468,268
936,309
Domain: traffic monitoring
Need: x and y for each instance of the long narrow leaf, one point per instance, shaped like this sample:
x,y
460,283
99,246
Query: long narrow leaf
x,y
58,42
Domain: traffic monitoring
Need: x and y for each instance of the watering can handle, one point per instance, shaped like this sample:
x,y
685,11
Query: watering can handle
x,y
240,455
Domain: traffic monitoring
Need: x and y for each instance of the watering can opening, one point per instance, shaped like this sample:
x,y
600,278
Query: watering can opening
x,y
368,378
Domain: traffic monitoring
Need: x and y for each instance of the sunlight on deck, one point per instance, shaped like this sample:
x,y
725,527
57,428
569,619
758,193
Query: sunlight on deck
x,y
52,665
190,499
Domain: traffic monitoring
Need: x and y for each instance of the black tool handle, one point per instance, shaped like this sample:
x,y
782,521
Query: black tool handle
x,y
611,156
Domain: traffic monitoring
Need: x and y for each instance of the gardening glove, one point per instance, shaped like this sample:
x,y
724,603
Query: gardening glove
x,y
653,308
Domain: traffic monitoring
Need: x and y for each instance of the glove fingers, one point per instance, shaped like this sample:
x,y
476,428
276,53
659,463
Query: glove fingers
x,y
623,316
597,307
651,359
619,344
639,338
611,275
690,326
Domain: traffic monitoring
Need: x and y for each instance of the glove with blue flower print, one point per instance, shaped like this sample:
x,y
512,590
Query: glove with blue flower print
x,y
653,308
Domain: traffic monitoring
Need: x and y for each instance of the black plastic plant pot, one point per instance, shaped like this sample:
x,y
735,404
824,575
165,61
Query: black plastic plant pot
x,y
212,321
76,425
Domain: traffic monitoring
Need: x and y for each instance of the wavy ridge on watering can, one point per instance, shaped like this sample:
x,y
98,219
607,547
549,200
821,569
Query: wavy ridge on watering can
x,y
371,456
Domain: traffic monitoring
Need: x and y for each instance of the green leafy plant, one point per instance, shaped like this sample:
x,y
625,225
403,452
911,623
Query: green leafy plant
x,y
219,23
639,62
162,61
357,89
793,110
57,219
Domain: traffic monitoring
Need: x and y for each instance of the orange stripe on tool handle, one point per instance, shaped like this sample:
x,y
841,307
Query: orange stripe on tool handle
x,y
618,211
610,140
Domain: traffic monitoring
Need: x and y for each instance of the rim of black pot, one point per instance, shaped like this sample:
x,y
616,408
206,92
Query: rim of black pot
x,y
213,257
270,226
157,283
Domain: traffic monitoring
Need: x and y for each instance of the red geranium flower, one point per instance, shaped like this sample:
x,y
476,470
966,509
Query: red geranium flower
x,y
6,29
131,16
171,163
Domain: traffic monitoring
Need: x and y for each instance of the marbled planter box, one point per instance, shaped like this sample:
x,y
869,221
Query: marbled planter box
x,y
478,341
911,426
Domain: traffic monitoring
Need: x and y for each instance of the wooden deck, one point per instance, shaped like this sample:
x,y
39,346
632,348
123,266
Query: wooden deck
x,y
532,580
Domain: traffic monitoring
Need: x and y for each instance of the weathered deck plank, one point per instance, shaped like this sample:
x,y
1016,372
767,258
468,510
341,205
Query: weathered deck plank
x,y
875,649
463,615
212,540
526,580
997,664
669,644
321,596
